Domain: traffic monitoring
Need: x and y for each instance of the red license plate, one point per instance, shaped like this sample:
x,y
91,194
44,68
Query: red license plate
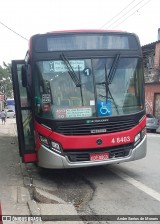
x,y
99,156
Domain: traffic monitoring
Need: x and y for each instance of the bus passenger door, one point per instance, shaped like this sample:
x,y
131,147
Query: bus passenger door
x,y
24,118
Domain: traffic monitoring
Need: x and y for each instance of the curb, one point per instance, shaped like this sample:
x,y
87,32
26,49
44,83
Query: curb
x,y
39,195
33,208
52,208
42,196
53,213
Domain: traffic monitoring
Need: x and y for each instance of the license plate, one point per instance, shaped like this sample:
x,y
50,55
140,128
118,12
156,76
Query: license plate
x,y
99,156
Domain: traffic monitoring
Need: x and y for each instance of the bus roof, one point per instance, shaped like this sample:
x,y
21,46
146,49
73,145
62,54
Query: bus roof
x,y
80,31
86,31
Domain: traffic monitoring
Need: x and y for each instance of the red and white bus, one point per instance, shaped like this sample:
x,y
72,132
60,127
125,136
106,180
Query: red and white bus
x,y
79,98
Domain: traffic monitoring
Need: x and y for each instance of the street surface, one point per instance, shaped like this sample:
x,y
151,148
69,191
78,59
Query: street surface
x,y
131,188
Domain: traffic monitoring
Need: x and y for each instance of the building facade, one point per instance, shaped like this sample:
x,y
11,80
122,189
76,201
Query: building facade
x,y
151,57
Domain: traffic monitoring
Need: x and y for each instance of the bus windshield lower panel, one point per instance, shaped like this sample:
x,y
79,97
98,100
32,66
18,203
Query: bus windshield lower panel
x,y
101,91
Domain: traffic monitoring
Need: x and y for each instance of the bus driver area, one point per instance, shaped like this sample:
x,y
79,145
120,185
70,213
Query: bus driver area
x,y
58,93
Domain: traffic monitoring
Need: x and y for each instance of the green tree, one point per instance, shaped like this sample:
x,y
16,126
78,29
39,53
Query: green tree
x,y
6,80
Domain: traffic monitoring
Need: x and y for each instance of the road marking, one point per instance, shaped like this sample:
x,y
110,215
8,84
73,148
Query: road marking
x,y
153,135
154,194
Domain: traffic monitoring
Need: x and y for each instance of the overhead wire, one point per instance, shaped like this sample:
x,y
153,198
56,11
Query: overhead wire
x,y
125,13
13,31
117,14
131,14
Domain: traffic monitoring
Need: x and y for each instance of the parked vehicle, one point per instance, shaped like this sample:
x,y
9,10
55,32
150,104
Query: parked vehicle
x,y
10,113
152,123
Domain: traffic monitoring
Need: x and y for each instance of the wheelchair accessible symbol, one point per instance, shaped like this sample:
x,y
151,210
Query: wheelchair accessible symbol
x,y
104,108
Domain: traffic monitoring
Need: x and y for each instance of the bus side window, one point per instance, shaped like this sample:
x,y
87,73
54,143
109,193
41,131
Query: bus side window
x,y
24,76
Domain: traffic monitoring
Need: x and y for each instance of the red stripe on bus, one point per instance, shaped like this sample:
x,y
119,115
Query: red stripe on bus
x,y
30,158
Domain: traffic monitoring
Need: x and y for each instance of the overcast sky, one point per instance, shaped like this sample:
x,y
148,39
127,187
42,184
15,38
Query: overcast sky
x,y
39,16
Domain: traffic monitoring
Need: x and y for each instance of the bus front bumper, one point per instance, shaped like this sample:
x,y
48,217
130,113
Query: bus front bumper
x,y
52,160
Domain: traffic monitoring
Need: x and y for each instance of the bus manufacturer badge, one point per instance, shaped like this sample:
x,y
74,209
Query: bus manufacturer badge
x,y
99,141
96,131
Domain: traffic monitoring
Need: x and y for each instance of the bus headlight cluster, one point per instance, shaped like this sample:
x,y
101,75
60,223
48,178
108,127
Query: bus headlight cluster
x,y
143,132
52,145
55,147
137,139
139,136
43,140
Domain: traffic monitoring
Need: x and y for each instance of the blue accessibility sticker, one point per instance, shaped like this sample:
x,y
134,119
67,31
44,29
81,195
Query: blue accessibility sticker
x,y
104,108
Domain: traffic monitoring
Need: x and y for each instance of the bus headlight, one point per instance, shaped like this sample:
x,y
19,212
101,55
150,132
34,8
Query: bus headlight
x,y
143,132
43,140
139,136
56,147
137,139
52,145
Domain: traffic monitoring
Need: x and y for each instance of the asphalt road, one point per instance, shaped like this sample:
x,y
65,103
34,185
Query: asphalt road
x,y
131,188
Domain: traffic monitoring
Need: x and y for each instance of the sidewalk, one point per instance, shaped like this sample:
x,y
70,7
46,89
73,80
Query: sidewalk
x,y
158,130
14,195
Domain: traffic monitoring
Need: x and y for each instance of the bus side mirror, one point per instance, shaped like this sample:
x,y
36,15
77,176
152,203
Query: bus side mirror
x,y
24,76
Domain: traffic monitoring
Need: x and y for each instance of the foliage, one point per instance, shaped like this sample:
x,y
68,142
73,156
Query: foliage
x,y
6,80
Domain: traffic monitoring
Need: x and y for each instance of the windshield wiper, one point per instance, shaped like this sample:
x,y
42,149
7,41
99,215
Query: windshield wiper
x,y
113,69
108,90
80,85
107,83
70,70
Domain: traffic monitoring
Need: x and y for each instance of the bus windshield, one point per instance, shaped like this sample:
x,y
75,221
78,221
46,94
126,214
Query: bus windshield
x,y
100,91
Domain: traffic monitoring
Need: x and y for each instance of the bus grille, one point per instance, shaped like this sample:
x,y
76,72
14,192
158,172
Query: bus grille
x,y
88,129
114,152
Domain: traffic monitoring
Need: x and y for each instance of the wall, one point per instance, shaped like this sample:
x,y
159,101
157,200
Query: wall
x,y
157,54
151,89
